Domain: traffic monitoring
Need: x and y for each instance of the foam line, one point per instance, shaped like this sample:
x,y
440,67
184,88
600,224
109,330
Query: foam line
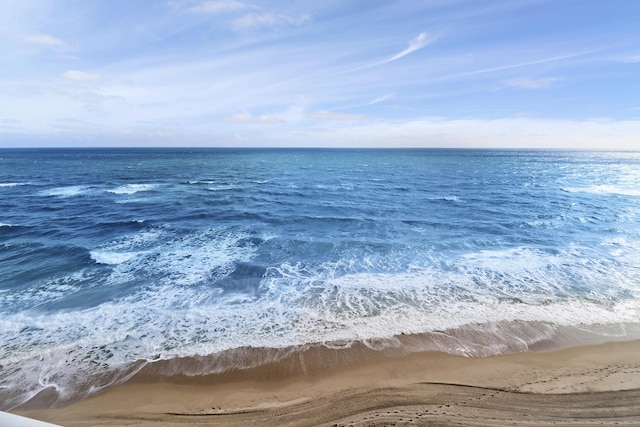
x,y
132,188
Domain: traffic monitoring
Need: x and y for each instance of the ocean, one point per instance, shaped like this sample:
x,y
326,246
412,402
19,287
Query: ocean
x,y
116,260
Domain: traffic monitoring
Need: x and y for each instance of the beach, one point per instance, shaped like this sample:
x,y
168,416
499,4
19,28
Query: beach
x,y
584,385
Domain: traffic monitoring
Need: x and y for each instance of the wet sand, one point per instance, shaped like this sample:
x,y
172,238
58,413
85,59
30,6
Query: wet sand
x,y
587,385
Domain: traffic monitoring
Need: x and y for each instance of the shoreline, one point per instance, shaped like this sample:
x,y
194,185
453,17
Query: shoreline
x,y
474,340
575,385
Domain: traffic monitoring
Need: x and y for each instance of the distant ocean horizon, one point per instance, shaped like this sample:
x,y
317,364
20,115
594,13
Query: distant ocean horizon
x,y
116,259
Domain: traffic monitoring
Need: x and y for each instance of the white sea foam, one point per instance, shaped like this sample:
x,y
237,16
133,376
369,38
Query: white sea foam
x,y
297,304
127,201
48,292
207,182
605,189
446,198
70,191
11,184
222,188
173,258
132,188
110,257
623,249
2,224
174,321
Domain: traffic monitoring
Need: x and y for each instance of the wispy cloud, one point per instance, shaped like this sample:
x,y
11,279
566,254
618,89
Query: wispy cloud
x,y
381,99
216,6
81,76
332,115
632,59
517,65
532,83
249,118
256,19
473,133
417,43
42,39
252,21
420,41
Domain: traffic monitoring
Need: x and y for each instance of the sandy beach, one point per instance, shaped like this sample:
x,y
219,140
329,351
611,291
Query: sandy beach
x,y
587,385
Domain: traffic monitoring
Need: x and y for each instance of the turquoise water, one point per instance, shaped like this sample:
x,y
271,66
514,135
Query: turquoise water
x,y
112,256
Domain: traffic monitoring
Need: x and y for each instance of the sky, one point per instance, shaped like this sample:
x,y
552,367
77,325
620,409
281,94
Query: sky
x,y
330,73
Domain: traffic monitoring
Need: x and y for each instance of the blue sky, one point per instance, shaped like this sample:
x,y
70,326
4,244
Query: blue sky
x,y
433,73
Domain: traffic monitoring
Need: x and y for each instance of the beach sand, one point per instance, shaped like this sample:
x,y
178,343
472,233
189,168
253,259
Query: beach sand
x,y
587,385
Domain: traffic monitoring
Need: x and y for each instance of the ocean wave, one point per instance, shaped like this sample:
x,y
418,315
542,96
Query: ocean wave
x,y
46,293
335,187
84,353
203,182
487,286
111,258
184,309
166,256
224,185
223,188
133,188
604,189
70,191
446,198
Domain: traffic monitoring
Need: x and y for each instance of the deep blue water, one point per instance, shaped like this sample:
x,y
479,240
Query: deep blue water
x,y
108,256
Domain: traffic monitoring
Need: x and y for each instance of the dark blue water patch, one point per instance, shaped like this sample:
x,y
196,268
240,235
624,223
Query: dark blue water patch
x,y
245,278
26,263
86,294
8,231
276,251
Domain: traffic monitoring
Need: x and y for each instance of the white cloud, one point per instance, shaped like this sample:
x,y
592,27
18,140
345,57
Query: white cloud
x,y
42,39
81,76
531,83
248,118
509,132
216,6
252,21
633,59
513,66
381,99
331,115
417,43
420,41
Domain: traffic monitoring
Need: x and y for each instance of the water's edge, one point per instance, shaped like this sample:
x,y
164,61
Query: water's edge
x,y
308,360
